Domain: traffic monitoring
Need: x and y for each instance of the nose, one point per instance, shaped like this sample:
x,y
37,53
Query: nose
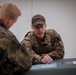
x,y
40,29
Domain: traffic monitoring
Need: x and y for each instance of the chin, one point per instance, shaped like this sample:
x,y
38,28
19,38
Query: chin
x,y
41,37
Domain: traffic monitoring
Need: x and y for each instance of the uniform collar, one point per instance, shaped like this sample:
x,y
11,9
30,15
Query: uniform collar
x,y
42,41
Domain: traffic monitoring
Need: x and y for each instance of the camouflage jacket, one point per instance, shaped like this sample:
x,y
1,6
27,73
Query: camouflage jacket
x,y
13,57
52,45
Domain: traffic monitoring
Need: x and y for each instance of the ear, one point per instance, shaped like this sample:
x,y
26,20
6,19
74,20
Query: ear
x,y
45,25
32,27
10,22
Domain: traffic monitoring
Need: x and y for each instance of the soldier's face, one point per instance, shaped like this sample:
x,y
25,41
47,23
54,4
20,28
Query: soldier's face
x,y
39,30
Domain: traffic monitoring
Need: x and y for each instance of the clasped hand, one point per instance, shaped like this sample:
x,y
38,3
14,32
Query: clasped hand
x,y
46,59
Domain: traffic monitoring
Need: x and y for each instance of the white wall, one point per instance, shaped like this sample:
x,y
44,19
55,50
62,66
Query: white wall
x,y
60,15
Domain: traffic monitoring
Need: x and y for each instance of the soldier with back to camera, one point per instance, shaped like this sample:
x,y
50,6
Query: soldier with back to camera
x,y
13,56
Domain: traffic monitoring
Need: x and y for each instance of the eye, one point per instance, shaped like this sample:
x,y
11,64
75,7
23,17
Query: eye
x,y
36,27
41,26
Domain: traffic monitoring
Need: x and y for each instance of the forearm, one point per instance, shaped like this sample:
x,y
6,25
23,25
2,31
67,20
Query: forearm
x,y
57,52
35,58
20,57
58,48
56,55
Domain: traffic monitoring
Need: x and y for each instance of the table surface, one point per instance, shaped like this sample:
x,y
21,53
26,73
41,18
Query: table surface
x,y
58,67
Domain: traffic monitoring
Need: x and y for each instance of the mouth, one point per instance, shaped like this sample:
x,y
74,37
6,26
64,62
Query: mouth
x,y
40,33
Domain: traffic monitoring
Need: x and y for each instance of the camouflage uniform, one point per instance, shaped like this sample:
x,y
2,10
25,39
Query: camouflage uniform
x,y
52,45
13,57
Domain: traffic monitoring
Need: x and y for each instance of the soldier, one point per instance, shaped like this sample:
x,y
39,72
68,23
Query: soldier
x,y
43,45
13,56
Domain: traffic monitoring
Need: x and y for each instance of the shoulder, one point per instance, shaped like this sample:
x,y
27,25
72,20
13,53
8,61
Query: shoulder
x,y
6,33
11,36
51,31
29,34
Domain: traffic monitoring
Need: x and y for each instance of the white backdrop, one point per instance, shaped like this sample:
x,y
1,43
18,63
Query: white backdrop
x,y
60,15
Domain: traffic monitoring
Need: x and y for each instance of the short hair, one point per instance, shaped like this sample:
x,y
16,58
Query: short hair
x,y
10,11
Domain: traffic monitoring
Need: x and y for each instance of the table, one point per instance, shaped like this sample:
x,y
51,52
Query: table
x,y
58,67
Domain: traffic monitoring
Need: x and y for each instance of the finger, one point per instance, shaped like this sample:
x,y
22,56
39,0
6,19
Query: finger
x,y
44,60
49,58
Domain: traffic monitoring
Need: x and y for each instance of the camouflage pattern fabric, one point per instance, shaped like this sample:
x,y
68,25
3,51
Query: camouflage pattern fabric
x,y
13,57
52,45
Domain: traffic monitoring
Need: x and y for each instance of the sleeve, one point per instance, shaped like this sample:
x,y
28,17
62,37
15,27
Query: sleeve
x,y
35,58
17,54
57,45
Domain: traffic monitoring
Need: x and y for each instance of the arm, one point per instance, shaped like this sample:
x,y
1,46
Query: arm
x,y
35,58
19,54
58,52
16,54
57,45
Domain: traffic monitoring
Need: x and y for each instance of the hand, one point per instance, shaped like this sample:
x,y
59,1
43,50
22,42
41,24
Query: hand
x,y
46,59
